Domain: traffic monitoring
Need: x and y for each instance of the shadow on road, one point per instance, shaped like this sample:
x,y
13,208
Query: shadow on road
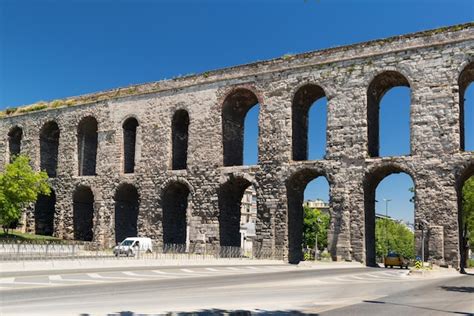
x,y
417,307
214,312
462,289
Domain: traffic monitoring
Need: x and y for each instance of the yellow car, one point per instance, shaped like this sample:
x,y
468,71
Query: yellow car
x,y
394,259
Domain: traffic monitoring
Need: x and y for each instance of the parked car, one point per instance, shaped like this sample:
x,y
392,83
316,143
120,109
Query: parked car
x,y
132,245
394,259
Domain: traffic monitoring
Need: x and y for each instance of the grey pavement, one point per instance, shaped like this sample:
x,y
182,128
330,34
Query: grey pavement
x,y
29,266
453,296
261,289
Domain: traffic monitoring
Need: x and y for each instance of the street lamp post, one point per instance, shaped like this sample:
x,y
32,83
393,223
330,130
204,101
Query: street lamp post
x,y
386,219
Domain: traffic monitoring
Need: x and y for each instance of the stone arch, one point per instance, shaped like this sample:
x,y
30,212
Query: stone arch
x,y
15,136
127,202
129,128
371,182
378,86
234,109
465,79
230,196
45,209
175,199
303,99
87,141
295,187
179,130
83,213
49,148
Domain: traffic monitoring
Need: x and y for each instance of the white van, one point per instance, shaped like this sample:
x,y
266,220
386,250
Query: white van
x,y
132,245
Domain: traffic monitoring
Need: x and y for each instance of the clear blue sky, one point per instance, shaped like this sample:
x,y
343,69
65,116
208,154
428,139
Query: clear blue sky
x,y
54,49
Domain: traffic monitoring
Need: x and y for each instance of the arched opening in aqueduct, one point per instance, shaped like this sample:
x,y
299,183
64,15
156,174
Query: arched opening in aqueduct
x,y
464,236
129,128
295,189
371,184
83,213
126,212
49,147
394,199
87,140
45,208
310,100
378,88
14,141
230,196
179,130
235,108
175,204
466,107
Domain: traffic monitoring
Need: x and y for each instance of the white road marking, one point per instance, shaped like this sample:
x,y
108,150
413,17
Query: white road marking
x,y
173,275
187,270
212,269
145,275
7,280
252,268
60,278
233,269
34,283
56,277
372,275
98,276
82,280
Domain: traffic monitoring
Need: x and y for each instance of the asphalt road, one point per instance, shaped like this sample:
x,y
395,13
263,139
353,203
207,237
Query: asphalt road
x,y
259,289
453,296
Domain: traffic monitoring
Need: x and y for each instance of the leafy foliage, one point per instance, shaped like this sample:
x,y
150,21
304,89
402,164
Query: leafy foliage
x,y
391,235
468,210
315,222
19,186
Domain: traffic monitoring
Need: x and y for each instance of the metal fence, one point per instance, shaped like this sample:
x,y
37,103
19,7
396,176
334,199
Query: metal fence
x,y
49,250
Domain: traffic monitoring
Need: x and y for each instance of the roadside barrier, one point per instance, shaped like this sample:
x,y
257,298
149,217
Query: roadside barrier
x,y
21,250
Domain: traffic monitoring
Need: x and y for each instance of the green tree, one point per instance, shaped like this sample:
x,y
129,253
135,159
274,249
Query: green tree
x,y
467,215
315,221
391,235
19,186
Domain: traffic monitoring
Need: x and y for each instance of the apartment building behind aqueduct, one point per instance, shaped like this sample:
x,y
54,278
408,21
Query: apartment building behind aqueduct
x,y
164,159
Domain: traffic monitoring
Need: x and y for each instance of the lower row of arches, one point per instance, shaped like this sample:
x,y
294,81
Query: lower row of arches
x,y
127,202
175,202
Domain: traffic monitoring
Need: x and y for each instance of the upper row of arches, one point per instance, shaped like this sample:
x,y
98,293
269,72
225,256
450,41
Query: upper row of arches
x,y
235,109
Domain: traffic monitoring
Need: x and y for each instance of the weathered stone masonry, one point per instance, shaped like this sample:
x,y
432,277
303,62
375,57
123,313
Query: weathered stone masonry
x,y
113,176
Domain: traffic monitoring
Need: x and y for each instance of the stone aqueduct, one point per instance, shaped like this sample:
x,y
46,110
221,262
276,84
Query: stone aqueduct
x,y
157,158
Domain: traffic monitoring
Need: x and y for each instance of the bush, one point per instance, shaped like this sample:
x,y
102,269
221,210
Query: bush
x,y
9,111
325,255
470,263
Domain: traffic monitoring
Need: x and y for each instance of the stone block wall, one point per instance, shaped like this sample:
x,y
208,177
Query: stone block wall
x,y
352,78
